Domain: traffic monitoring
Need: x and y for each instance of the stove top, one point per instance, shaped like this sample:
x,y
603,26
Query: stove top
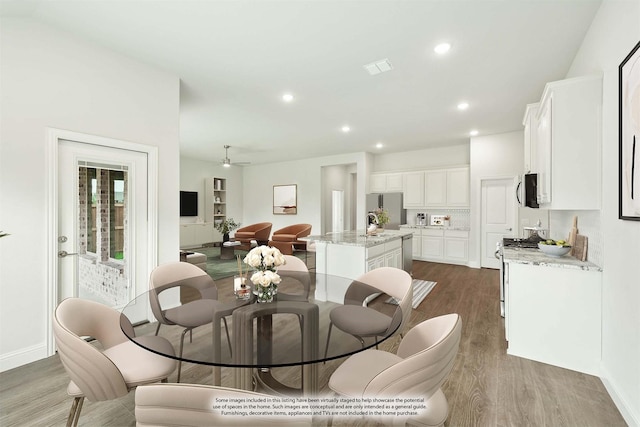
x,y
531,242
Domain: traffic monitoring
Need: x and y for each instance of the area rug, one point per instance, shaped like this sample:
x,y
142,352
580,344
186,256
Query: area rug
x,y
421,289
218,268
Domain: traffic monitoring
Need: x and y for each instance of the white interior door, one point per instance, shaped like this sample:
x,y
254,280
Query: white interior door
x,y
102,224
499,217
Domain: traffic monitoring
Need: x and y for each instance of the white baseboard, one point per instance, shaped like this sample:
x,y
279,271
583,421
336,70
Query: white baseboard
x,y
23,357
631,417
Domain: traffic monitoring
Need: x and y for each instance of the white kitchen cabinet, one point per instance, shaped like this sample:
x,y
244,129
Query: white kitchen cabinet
x,y
385,182
456,246
569,144
432,244
553,315
413,190
439,188
440,244
416,245
530,123
435,187
447,188
457,187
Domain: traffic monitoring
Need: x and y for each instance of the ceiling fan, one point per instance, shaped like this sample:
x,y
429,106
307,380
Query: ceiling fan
x,y
226,162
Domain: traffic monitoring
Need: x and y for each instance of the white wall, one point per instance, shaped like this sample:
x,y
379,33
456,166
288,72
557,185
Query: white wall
x,y
194,172
307,174
427,158
492,156
49,79
614,32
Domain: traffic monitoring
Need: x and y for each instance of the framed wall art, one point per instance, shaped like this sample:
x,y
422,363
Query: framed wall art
x,y
285,199
629,135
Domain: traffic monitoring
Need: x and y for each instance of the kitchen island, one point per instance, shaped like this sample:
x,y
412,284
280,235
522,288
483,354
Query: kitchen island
x,y
353,253
553,309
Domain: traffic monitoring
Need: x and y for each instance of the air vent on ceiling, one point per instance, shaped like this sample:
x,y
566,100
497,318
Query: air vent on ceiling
x,y
378,67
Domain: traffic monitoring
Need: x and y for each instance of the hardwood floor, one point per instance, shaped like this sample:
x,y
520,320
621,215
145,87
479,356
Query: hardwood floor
x,y
486,387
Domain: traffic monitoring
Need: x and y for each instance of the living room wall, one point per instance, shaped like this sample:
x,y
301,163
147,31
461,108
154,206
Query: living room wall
x,y
49,79
194,172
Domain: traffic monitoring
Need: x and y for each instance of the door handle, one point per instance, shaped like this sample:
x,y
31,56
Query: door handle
x,y
509,229
62,254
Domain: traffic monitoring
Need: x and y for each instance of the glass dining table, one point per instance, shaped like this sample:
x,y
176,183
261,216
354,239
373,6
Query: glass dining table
x,y
290,331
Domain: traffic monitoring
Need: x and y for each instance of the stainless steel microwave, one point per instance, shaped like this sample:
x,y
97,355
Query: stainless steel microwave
x,y
527,191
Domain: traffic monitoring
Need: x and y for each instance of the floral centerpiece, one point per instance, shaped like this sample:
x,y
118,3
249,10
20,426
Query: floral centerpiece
x,y
265,260
383,217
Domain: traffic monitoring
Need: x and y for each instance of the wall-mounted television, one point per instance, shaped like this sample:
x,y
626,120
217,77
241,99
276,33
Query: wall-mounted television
x,y
188,203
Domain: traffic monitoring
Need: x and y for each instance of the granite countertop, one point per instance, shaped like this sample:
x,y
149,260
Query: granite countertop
x,y
434,227
536,257
358,238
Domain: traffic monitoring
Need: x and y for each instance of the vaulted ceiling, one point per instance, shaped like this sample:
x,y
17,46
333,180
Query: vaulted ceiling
x,y
236,59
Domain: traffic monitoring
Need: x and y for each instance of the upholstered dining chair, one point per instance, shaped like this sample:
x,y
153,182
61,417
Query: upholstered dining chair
x,y
360,321
119,366
420,366
287,238
295,268
259,232
192,405
191,314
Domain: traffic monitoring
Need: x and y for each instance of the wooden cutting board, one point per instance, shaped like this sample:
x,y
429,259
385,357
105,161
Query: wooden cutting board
x,y
572,236
580,247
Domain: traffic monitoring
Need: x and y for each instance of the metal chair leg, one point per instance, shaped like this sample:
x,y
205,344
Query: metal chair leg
x,y
326,348
74,413
224,319
181,348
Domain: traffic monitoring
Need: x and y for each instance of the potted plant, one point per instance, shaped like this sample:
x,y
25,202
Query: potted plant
x,y
383,217
225,227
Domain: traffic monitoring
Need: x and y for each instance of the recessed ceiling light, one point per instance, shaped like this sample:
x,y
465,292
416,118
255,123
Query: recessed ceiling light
x,y
442,48
463,106
379,145
287,97
473,132
346,129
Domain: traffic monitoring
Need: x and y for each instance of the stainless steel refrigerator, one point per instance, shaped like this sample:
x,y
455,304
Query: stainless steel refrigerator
x,y
392,203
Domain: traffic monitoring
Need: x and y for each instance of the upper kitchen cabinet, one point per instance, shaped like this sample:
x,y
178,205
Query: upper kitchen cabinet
x,y
439,188
568,144
413,190
447,188
385,182
435,188
530,123
458,187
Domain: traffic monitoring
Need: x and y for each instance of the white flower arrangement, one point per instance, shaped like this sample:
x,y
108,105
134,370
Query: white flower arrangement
x,y
265,260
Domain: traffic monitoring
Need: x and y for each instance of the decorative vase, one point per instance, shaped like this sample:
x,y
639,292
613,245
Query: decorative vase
x,y
225,237
266,293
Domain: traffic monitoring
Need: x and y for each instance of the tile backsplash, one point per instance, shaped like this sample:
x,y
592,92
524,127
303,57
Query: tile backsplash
x,y
459,217
560,223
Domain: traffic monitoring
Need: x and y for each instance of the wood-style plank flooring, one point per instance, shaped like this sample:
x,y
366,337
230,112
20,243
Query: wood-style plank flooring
x,y
486,387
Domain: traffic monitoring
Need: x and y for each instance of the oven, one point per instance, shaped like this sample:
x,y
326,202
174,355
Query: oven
x,y
515,243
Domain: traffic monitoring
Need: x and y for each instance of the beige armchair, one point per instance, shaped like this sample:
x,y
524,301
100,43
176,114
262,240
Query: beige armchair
x,y
192,405
420,366
110,372
259,232
287,238
191,314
